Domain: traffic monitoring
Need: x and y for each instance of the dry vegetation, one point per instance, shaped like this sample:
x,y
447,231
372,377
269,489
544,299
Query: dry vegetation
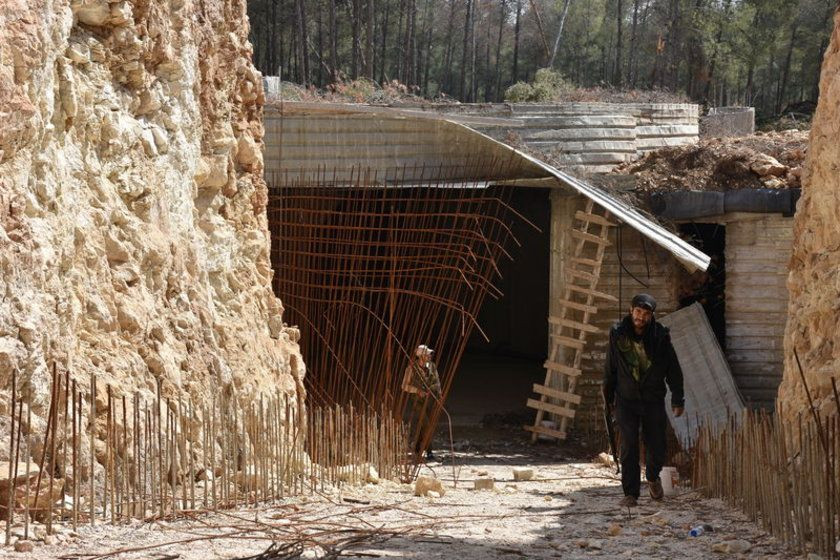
x,y
551,87
354,91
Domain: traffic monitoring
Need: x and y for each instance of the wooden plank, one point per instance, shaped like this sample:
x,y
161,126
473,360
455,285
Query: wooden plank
x,y
589,237
587,262
573,324
595,218
556,394
567,341
573,272
552,408
560,368
543,431
579,306
593,293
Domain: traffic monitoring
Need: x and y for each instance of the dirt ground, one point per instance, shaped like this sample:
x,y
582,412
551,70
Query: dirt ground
x,y
568,511
763,160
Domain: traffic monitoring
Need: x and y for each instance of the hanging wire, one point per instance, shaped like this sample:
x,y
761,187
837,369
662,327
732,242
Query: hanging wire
x,y
618,249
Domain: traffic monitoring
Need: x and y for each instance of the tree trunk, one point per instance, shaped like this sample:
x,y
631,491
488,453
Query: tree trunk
x,y
672,44
427,57
536,10
488,76
333,43
748,89
632,54
606,51
303,50
713,61
780,99
462,91
515,72
294,51
398,56
270,39
641,33
281,52
355,15
383,60
446,70
618,43
473,81
424,60
369,40
410,66
502,18
559,32
320,45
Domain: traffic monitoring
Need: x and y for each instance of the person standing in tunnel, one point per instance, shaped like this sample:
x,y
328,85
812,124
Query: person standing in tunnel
x,y
422,383
640,361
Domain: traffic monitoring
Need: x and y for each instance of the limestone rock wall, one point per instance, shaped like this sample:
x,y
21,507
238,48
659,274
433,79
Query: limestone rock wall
x,y
133,231
813,326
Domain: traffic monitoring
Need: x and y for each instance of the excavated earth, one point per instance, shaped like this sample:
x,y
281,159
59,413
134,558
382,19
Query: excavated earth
x,y
567,511
763,160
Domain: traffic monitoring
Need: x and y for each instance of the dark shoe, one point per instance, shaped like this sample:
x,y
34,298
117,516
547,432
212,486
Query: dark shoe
x,y
655,489
628,501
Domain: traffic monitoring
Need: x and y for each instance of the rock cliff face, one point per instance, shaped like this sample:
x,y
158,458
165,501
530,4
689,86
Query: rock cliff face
x,y
813,327
133,228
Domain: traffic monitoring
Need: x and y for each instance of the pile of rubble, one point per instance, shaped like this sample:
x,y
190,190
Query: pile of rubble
x,y
764,160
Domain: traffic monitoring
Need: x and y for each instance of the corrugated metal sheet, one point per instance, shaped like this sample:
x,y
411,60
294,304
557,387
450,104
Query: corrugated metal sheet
x,y
757,252
337,141
710,391
757,255
690,257
306,143
588,137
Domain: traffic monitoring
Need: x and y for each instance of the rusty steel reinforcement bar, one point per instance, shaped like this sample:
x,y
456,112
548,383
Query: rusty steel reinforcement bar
x,y
368,268
156,462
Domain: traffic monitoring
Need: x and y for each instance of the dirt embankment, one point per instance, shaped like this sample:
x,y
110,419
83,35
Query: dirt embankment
x,y
765,160
813,281
133,229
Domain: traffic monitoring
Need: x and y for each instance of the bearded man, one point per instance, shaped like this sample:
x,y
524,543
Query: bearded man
x,y
640,361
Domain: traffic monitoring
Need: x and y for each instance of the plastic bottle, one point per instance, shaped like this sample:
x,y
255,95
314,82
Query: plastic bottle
x,y
697,531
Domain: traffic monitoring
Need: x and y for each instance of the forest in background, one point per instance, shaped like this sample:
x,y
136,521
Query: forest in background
x,y
761,53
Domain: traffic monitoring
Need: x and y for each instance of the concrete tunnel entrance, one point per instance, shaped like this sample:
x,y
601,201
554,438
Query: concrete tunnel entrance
x,y
494,378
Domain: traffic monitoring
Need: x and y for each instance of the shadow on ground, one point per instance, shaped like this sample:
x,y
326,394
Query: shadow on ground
x,y
570,512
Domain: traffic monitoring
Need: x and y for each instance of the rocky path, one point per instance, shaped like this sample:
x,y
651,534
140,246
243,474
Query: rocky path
x,y
567,511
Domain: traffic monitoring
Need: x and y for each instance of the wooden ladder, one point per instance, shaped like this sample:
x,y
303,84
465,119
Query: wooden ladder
x,y
568,330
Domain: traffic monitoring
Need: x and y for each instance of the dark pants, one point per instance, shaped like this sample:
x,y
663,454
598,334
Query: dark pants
x,y
651,417
419,410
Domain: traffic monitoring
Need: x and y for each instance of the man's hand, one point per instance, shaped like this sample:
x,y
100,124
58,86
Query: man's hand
x,y
678,411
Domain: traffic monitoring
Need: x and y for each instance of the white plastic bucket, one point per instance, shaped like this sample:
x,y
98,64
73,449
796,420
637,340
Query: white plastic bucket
x,y
669,477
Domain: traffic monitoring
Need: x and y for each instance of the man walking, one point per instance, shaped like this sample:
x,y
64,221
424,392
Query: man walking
x,y
640,360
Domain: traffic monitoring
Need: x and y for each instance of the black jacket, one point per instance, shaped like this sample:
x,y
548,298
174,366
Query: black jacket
x,y
618,379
